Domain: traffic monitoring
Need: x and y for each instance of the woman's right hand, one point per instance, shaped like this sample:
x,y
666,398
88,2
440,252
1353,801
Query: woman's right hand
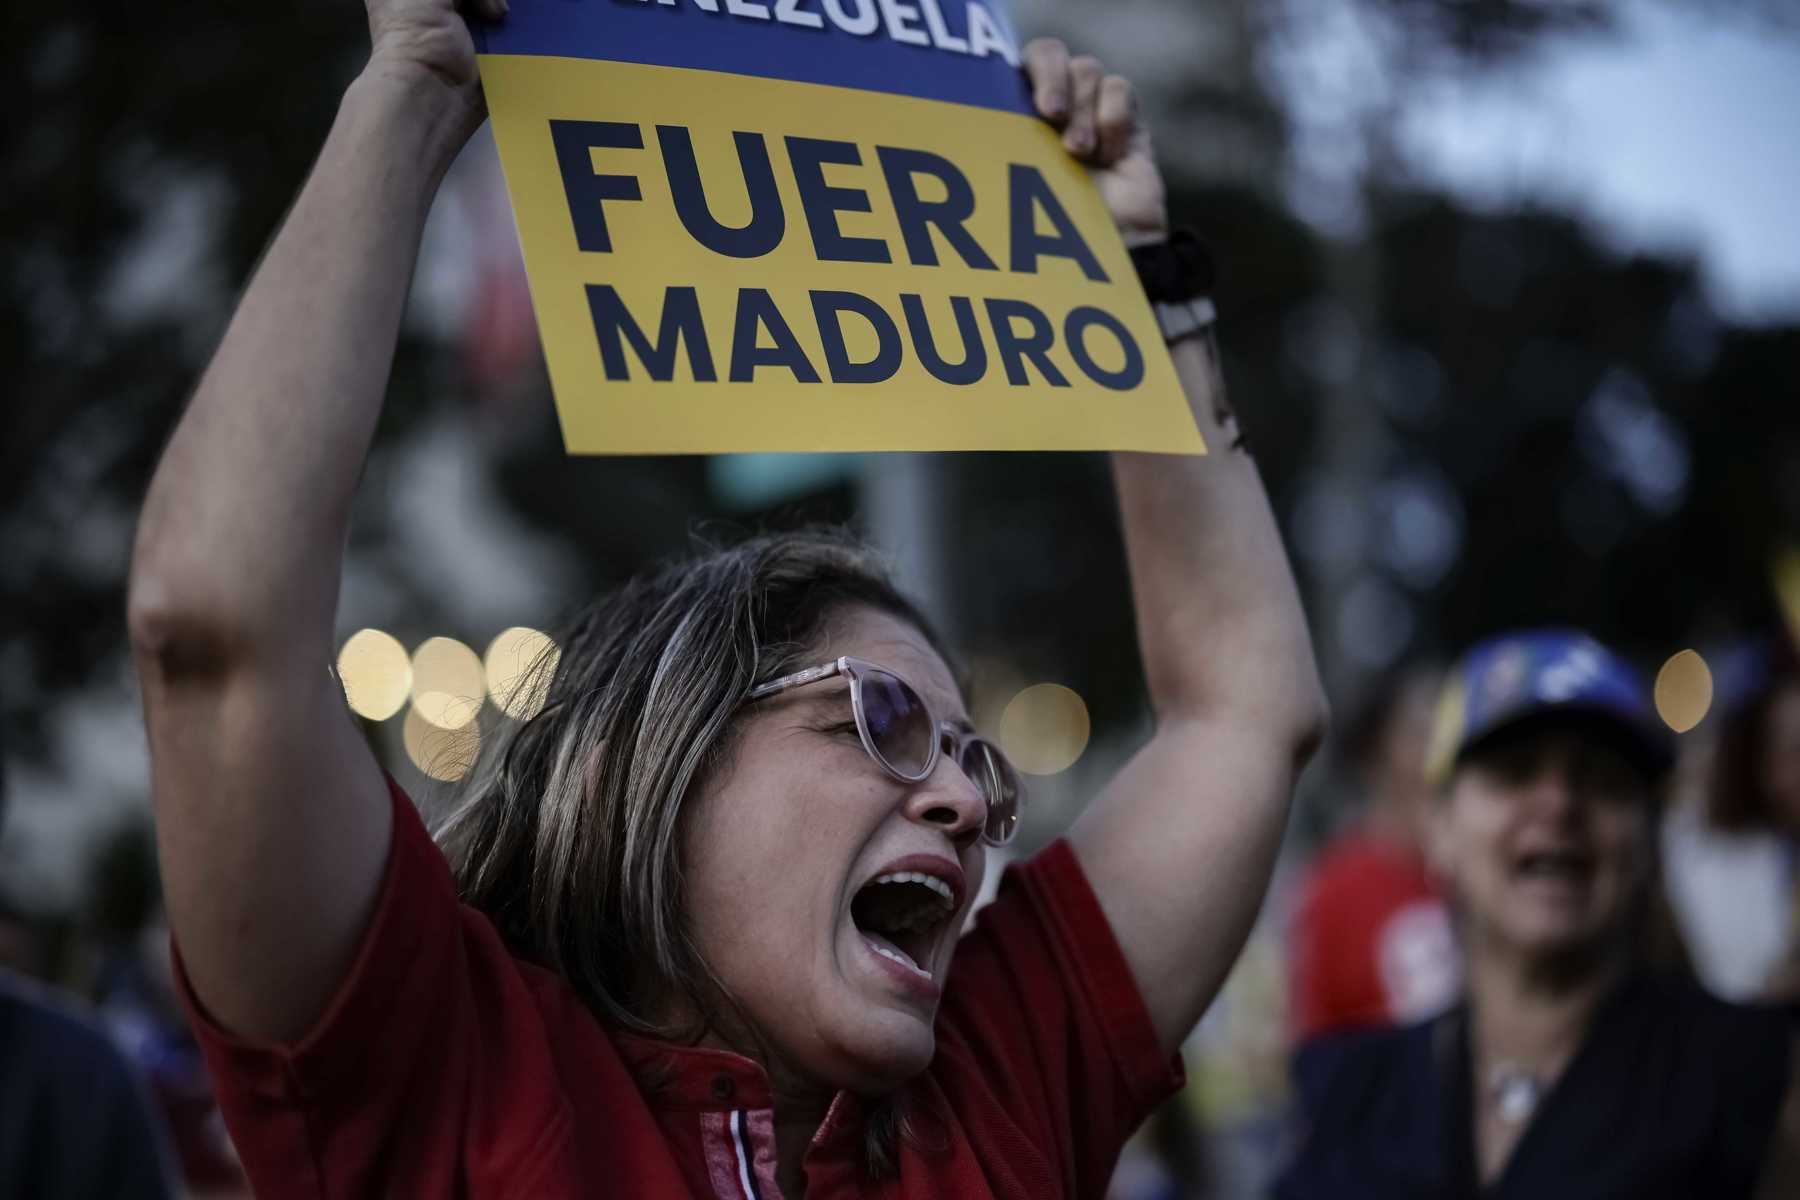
x,y
273,818
426,42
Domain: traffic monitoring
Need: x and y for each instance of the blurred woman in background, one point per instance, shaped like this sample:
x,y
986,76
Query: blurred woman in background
x,y
1734,855
1572,1067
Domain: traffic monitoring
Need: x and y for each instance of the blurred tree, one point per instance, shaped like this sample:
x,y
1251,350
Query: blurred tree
x,y
1620,458
153,152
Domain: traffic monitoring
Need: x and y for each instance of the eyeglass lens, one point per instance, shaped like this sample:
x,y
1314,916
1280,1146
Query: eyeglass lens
x,y
899,725
994,776
901,730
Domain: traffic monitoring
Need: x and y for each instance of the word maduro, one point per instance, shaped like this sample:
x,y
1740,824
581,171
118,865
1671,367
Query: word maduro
x,y
762,337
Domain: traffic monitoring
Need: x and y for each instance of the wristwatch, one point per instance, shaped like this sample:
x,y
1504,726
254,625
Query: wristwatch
x,y
1178,275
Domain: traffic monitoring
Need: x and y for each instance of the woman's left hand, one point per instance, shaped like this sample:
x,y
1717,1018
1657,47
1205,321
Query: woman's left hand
x,y
1098,116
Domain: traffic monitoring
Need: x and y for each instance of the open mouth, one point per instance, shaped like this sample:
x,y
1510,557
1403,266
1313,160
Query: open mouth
x,y
903,916
1556,866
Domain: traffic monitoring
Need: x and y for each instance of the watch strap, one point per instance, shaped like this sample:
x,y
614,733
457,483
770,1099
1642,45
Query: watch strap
x,y
1177,269
1184,318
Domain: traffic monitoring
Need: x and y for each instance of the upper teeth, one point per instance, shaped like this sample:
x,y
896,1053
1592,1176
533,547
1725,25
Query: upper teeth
x,y
931,881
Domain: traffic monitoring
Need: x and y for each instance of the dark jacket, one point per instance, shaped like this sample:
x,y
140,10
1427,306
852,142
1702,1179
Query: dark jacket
x,y
1671,1095
74,1121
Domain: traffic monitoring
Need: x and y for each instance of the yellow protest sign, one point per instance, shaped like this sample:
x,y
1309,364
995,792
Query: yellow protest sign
x,y
809,225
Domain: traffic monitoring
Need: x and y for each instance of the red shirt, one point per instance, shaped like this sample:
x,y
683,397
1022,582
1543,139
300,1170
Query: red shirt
x,y
1371,940
446,1066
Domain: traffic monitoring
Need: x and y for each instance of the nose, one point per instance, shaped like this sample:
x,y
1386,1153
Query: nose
x,y
1553,792
949,802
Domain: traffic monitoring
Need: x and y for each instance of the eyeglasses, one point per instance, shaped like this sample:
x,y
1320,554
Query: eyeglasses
x,y
905,738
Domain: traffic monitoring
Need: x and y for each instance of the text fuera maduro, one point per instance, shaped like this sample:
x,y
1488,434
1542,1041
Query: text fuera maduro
x,y
958,340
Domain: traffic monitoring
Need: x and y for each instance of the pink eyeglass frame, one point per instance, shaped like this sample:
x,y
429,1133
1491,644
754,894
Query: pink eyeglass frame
x,y
948,736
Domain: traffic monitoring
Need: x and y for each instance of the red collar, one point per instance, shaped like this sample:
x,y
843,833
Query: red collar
x,y
694,1078
673,1077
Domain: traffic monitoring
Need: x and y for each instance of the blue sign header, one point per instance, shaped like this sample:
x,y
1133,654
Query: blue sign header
x,y
962,51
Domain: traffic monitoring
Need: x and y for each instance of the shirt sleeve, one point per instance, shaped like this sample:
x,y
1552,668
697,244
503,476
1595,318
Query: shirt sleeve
x,y
1751,1053
1347,1084
1042,1003
432,1013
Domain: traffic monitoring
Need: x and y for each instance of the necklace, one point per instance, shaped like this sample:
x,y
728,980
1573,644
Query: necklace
x,y
1515,1091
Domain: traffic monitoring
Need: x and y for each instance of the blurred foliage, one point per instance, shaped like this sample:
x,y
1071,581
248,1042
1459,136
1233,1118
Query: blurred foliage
x,y
1535,332
1485,35
124,892
1478,32
122,109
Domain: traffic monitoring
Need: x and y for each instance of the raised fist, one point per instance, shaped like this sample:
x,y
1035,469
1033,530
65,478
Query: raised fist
x,y
428,36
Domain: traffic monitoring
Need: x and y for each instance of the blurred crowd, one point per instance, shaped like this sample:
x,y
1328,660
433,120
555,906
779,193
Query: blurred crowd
x,y
1371,928
102,1089
1400,916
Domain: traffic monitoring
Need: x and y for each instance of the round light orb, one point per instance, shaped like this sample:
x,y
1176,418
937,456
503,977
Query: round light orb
x,y
1044,729
520,663
376,674
443,754
1684,691
1787,587
448,683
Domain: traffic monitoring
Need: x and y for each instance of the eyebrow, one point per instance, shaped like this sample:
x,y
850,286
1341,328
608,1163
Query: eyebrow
x,y
807,700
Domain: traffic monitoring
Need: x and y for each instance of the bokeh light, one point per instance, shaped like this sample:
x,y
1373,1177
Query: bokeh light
x,y
520,663
1044,729
443,754
376,674
1786,570
448,683
1684,691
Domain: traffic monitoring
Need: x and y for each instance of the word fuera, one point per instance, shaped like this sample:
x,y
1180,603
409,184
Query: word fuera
x,y
1023,335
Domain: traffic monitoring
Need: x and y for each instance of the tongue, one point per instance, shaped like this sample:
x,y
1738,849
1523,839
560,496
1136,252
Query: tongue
x,y
886,944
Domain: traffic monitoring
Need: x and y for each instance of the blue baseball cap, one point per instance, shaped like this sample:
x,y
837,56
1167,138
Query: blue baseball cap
x,y
1536,673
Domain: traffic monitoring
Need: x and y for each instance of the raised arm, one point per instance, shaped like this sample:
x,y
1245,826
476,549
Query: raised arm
x,y
272,817
1180,846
